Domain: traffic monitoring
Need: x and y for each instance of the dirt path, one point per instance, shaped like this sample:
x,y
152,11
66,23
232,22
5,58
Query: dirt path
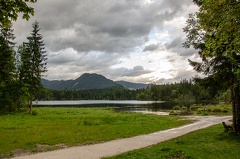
x,y
115,147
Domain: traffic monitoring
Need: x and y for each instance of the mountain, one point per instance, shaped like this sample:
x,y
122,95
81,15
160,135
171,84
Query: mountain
x,y
130,85
89,81
93,81
84,82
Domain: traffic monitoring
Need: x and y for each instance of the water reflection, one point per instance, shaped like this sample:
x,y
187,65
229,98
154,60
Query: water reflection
x,y
118,106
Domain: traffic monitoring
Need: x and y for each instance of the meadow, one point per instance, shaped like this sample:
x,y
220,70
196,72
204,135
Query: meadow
x,y
55,128
207,143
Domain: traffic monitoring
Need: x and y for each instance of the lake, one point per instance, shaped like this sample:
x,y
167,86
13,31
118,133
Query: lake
x,y
117,105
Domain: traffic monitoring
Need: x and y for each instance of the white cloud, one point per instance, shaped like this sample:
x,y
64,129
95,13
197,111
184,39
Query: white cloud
x,y
130,40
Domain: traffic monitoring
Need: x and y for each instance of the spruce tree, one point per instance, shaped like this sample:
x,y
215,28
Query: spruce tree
x,y
22,62
33,63
7,70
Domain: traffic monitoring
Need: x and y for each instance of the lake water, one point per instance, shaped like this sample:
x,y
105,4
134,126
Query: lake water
x,y
117,105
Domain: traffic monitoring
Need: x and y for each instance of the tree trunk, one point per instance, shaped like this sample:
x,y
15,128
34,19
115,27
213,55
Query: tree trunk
x,y
233,103
30,105
235,96
233,108
237,110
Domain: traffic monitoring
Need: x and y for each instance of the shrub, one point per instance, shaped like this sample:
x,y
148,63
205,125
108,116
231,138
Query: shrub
x,y
200,111
208,109
172,112
225,110
176,108
184,108
195,107
217,110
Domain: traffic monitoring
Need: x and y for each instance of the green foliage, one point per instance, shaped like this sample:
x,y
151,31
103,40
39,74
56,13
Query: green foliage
x,y
220,109
194,107
207,143
184,92
75,126
214,32
184,108
7,71
217,110
33,63
10,10
176,108
173,112
225,96
12,95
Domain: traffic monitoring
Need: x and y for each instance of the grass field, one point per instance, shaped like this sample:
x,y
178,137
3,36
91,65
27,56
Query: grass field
x,y
209,143
54,128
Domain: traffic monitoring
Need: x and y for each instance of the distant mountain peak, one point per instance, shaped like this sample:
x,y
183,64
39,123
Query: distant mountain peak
x,y
89,81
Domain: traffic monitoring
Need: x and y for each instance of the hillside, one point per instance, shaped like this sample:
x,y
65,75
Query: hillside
x,y
89,81
130,85
84,82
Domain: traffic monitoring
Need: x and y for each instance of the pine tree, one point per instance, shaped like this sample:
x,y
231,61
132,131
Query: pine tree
x,y
22,61
33,63
7,70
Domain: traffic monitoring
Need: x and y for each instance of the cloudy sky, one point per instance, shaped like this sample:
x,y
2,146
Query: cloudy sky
x,y
132,40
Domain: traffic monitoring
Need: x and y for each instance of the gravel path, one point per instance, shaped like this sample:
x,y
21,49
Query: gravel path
x,y
114,147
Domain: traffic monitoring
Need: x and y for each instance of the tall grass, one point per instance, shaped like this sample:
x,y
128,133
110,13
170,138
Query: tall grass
x,y
52,128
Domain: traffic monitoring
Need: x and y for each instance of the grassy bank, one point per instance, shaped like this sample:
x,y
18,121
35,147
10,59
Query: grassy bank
x,y
53,128
210,109
203,144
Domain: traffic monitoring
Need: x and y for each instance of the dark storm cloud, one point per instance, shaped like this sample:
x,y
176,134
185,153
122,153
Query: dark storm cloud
x,y
109,25
93,35
176,46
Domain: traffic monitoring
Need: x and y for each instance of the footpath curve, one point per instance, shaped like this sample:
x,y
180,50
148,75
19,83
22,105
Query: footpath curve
x,y
114,147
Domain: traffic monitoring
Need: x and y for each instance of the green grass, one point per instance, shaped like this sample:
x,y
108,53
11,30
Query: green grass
x,y
209,143
54,128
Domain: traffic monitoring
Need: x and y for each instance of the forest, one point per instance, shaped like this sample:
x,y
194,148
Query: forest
x,y
185,90
21,69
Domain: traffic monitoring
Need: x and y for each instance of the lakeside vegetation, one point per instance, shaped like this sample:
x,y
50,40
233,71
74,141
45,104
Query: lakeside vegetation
x,y
197,109
186,91
207,143
54,128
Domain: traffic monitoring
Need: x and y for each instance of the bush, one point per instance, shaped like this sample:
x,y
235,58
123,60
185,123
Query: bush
x,y
208,109
217,110
225,110
200,111
195,107
184,108
172,112
176,108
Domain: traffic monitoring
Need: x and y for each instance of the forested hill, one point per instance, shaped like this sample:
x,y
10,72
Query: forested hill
x,y
88,81
130,85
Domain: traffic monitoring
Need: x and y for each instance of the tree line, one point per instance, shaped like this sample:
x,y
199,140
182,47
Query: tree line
x,y
185,90
21,67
